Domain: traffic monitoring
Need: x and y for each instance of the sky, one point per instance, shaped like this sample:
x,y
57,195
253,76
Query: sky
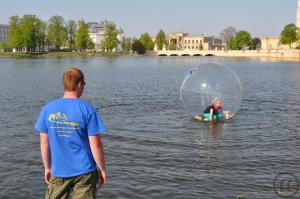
x,y
259,17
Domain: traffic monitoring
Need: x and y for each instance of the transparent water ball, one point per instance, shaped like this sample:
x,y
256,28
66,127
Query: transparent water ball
x,y
207,82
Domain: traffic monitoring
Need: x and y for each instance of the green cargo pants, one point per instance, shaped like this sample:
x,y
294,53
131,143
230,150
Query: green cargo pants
x,y
78,187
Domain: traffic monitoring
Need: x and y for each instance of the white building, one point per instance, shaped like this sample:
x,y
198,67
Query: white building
x,y
3,33
184,41
96,32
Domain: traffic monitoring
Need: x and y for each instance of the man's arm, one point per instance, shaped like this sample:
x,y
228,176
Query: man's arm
x,y
46,155
98,154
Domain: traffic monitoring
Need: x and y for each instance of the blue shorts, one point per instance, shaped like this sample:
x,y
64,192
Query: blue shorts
x,y
217,116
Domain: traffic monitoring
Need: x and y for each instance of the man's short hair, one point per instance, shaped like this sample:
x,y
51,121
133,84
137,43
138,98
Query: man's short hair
x,y
72,77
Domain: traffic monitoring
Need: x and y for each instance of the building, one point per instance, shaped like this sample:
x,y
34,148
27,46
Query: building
x,y
175,40
3,33
273,43
298,15
184,41
194,42
96,32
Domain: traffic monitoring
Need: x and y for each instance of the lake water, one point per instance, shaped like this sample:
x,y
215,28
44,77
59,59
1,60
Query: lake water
x,y
153,148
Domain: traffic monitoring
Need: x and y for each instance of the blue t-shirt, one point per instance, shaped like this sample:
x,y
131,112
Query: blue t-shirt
x,y
68,123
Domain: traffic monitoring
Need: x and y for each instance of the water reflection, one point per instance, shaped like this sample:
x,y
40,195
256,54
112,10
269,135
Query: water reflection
x,y
216,129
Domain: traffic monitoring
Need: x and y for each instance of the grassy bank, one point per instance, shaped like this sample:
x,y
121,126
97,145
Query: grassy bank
x,y
62,54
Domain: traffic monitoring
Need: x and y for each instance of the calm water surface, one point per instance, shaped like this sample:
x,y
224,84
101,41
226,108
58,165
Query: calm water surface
x,y
153,148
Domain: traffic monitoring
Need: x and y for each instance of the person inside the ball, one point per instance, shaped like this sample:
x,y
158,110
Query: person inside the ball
x,y
213,112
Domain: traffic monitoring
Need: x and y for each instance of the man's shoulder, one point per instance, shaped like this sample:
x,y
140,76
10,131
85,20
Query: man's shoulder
x,y
53,103
84,103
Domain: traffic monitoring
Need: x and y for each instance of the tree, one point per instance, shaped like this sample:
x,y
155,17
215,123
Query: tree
x,y
127,44
71,32
82,39
147,42
227,34
138,47
110,41
172,47
243,40
14,33
201,46
3,45
232,43
256,43
90,45
298,38
29,32
57,32
289,34
160,39
41,34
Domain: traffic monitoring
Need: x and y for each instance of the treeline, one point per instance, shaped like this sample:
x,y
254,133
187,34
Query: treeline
x,y
144,43
31,34
242,40
239,40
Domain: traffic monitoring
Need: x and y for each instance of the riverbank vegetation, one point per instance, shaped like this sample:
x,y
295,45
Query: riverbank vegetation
x,y
29,36
62,54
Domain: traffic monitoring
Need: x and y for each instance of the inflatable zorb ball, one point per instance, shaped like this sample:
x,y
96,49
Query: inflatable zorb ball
x,y
207,82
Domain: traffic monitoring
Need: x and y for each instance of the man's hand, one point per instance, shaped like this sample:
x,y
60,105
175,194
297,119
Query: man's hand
x,y
102,178
47,175
98,154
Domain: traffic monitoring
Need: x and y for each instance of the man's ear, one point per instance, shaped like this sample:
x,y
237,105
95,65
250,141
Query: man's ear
x,y
79,85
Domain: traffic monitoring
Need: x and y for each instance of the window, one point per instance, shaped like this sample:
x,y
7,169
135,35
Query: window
x,y
192,47
196,47
196,41
192,41
189,41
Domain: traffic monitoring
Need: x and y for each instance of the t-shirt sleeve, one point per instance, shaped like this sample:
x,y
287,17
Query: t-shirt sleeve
x,y
41,122
95,125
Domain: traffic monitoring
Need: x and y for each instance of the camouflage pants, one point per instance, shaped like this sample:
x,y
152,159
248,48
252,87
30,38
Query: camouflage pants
x,y
78,187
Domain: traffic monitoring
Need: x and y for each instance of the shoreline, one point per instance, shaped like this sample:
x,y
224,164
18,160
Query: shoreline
x,y
291,55
280,54
61,54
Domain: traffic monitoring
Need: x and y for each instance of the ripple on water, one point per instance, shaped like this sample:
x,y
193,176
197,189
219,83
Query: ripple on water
x,y
153,148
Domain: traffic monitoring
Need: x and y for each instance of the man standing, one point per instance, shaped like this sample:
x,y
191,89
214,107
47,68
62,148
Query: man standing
x,y
71,147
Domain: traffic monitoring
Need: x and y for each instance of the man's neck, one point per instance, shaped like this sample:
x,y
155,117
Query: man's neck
x,y
69,94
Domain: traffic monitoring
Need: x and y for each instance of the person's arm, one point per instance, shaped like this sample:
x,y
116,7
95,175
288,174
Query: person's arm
x,y
98,154
198,118
211,114
227,114
46,156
